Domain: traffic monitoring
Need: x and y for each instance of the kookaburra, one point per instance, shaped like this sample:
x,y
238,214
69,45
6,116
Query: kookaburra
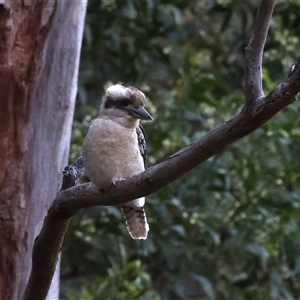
x,y
115,149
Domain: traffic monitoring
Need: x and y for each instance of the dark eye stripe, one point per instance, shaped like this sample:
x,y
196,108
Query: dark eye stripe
x,y
120,103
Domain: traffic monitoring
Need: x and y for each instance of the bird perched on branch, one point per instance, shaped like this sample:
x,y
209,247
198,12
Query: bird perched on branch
x,y
115,149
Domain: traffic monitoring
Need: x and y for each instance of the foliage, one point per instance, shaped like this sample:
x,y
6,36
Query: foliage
x,y
229,229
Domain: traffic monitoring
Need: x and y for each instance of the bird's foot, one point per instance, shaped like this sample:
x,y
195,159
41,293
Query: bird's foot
x,y
115,180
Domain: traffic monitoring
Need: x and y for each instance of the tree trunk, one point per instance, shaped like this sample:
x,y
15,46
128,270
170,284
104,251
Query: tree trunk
x,y
39,54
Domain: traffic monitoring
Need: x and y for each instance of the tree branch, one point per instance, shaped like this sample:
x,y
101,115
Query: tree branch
x,y
254,52
69,201
72,173
51,237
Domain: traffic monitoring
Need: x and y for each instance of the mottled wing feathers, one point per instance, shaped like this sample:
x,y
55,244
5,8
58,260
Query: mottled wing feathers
x,y
142,142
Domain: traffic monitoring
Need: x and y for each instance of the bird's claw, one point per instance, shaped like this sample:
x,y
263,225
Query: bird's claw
x,y
115,180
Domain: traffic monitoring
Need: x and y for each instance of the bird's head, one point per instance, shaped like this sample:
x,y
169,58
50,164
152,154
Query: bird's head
x,y
125,104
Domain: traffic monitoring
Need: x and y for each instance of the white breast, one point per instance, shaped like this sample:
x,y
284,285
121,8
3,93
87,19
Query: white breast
x,y
109,151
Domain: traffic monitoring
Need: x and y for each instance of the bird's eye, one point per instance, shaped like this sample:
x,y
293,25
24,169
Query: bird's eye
x,y
124,101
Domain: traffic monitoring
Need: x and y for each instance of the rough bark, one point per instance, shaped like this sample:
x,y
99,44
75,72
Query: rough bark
x,y
257,110
39,54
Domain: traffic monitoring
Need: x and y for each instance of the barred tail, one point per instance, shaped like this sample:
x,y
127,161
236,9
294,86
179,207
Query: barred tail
x,y
136,221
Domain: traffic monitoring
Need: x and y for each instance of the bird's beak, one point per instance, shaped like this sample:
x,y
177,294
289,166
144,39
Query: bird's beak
x,y
141,113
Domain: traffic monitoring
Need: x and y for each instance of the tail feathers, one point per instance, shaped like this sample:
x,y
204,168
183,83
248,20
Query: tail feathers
x,y
136,221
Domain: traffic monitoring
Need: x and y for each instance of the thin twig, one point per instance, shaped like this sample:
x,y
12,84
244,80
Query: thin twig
x,y
254,52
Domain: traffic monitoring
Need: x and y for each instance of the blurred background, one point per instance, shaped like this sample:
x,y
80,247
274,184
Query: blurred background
x,y
229,229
